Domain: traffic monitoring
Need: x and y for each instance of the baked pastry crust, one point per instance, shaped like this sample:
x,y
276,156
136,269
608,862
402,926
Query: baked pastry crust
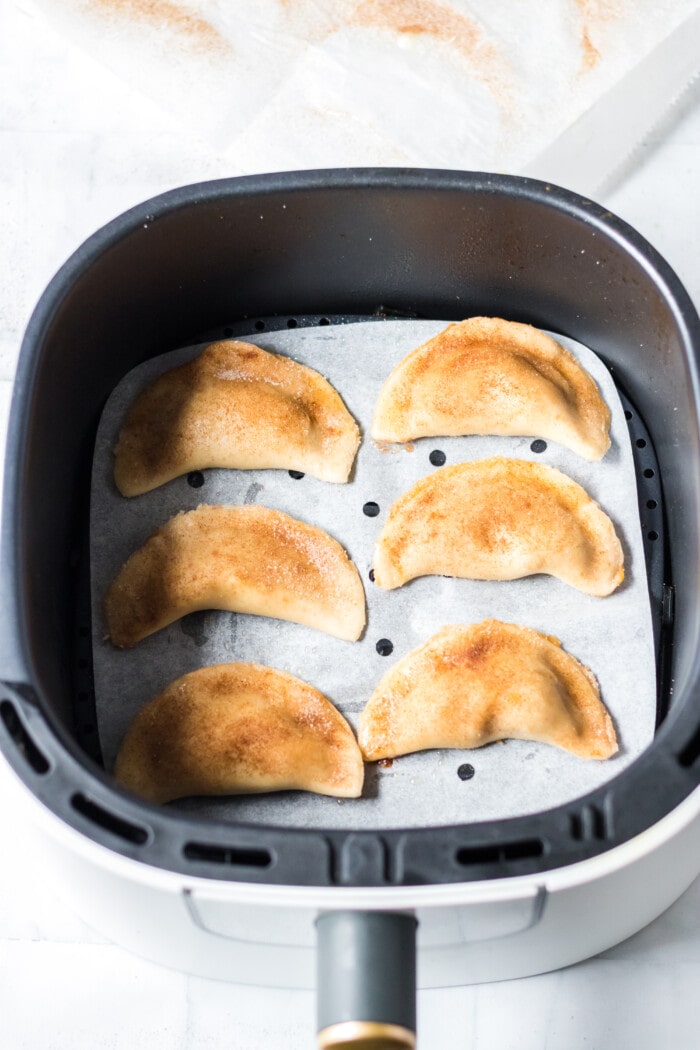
x,y
499,519
470,685
246,559
490,376
238,728
237,406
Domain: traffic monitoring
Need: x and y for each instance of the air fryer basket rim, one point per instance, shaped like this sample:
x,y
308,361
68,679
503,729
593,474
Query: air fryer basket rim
x,y
47,759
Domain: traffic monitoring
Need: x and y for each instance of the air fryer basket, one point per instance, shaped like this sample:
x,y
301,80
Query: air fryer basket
x,y
313,246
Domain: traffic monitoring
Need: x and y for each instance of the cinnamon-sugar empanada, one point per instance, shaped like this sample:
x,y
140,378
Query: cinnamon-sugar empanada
x,y
499,519
490,376
235,405
246,559
470,685
238,728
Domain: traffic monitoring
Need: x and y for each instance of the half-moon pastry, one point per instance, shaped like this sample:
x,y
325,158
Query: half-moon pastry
x,y
236,406
499,519
238,728
468,686
246,559
490,376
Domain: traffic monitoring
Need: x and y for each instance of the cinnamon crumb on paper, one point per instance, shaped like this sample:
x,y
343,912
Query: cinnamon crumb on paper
x,y
593,14
410,18
429,18
590,53
194,31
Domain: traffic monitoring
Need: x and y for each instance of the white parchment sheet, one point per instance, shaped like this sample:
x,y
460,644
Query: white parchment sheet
x,y
612,636
276,86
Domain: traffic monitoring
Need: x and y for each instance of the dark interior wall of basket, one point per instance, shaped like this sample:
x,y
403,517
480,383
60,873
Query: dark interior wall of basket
x,y
433,244
159,278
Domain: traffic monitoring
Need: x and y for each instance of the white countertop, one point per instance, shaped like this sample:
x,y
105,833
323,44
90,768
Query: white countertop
x,y
77,148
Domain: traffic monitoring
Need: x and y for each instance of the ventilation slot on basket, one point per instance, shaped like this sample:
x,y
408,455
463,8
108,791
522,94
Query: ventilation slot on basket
x,y
523,850
589,823
124,829
242,858
25,745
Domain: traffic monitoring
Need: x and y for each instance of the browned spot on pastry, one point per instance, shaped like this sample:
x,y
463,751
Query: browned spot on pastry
x,y
194,32
476,652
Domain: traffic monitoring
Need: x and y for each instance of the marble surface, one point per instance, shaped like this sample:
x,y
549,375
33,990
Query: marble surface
x,y
78,147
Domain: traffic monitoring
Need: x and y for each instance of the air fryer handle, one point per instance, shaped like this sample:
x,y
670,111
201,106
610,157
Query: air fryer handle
x,y
366,980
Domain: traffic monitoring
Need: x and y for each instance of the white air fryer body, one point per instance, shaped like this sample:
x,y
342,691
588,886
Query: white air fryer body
x,y
364,244
468,932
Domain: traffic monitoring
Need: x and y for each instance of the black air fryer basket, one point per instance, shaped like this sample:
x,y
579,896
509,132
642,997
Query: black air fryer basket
x,y
338,244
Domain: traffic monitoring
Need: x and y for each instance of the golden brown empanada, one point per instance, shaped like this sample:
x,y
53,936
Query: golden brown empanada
x,y
490,376
238,728
237,406
499,519
488,681
246,559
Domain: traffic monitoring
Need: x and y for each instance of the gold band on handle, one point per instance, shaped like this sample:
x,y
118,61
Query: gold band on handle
x,y
366,1035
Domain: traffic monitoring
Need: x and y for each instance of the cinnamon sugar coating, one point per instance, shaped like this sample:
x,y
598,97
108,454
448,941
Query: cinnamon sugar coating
x,y
238,728
470,685
246,559
490,376
499,519
235,406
